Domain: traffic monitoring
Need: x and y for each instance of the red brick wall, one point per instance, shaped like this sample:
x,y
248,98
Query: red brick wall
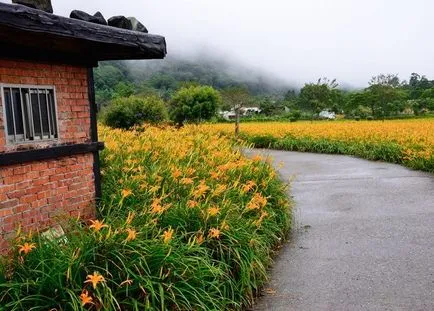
x,y
71,96
36,194
33,195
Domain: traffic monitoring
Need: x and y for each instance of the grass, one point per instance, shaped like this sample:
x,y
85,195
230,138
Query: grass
x,y
186,222
406,142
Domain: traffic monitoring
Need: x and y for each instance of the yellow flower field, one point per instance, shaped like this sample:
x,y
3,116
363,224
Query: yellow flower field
x,y
186,222
413,139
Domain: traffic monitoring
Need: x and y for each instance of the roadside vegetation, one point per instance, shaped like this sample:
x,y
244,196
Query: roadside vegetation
x,y
186,222
406,142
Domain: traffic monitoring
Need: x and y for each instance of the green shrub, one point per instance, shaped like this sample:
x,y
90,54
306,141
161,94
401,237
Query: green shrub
x,y
296,114
194,104
126,112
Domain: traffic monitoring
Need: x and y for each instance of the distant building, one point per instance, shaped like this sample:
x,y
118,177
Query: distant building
x,y
244,112
325,114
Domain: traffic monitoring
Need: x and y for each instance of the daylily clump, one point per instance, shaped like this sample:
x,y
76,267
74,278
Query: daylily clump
x,y
186,222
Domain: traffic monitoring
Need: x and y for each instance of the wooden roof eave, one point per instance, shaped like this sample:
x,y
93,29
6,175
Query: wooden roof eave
x,y
33,34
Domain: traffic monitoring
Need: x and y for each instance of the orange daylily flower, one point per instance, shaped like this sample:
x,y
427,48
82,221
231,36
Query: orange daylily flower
x,y
156,207
214,175
97,225
126,193
213,211
201,190
85,298
199,238
95,279
176,174
26,248
214,233
248,186
192,204
132,234
257,202
167,235
187,181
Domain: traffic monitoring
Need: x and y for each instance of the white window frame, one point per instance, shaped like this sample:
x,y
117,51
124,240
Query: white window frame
x,y
19,139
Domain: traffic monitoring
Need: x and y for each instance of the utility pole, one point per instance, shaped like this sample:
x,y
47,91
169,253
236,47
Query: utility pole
x,y
237,108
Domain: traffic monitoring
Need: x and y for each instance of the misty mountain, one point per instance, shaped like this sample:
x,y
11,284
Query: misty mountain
x,y
207,70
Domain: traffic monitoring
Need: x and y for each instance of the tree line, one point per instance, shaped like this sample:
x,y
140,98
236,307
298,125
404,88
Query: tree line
x,y
385,96
185,97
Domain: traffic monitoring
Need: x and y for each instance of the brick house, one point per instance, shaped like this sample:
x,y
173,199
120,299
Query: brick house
x,y
49,149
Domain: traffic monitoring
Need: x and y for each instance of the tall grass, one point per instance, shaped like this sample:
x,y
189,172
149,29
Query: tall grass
x,y
185,223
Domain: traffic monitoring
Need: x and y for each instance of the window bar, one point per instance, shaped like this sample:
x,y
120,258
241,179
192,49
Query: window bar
x,y
40,114
54,114
30,109
22,115
11,94
48,113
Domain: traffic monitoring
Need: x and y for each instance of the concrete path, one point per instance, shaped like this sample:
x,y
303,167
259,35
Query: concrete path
x,y
363,238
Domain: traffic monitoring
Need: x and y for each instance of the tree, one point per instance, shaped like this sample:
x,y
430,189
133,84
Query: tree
x,y
194,103
318,96
107,77
417,85
357,104
290,95
123,89
424,103
391,80
338,100
103,97
236,97
270,106
163,83
385,95
125,112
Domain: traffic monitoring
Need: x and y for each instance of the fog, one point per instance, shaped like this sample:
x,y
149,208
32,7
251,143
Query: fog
x,y
297,41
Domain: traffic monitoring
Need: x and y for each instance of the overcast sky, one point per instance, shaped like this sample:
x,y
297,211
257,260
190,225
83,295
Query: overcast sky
x,y
298,40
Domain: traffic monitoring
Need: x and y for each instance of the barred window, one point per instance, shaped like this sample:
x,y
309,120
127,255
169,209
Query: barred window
x,y
30,113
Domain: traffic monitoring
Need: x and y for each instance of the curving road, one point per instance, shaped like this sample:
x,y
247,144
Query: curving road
x,y
363,237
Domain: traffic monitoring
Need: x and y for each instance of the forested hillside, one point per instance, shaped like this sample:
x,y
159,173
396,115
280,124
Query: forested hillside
x,y
166,76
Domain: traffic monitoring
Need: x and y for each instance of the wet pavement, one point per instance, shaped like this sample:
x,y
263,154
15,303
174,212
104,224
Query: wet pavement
x,y
363,237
